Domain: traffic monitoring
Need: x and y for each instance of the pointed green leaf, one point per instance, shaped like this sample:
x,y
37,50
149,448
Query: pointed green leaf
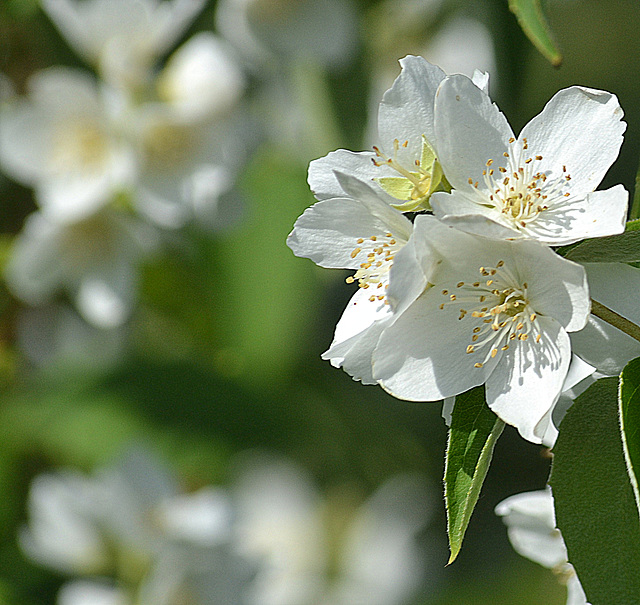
x,y
472,437
534,24
630,421
622,248
595,505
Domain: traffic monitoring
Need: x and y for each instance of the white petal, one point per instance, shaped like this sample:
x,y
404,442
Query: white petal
x,y
557,287
34,269
201,78
599,214
201,518
460,210
615,285
406,110
579,128
528,381
530,518
171,19
91,592
322,172
469,131
357,335
105,299
421,356
327,233
575,592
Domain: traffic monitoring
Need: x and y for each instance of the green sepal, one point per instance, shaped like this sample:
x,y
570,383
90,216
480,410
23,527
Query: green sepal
x,y
472,436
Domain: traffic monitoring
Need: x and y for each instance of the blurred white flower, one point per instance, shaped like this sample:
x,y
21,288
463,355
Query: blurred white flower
x,y
63,531
530,519
94,260
62,141
462,45
92,592
188,131
318,31
56,335
123,38
284,520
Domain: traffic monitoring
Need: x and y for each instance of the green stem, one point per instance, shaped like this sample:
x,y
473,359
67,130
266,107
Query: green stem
x,y
611,317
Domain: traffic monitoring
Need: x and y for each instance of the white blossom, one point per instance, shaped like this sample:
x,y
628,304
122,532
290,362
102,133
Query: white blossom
x,y
539,185
360,232
95,260
404,164
63,140
123,38
490,312
531,523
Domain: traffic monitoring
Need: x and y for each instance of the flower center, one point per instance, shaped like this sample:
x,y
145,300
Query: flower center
x,y
519,190
499,307
414,186
377,252
79,146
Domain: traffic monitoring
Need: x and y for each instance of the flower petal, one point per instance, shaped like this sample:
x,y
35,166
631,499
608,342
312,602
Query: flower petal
x,y
327,233
406,111
579,128
356,336
599,214
469,131
322,172
615,285
557,287
527,383
431,363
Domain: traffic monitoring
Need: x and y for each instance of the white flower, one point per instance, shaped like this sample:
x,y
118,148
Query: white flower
x,y
95,260
360,232
381,560
322,31
492,312
61,140
540,185
188,131
531,523
201,79
404,164
283,519
615,285
63,531
122,37
92,592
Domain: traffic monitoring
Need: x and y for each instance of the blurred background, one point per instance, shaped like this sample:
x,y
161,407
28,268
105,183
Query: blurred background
x,y
162,387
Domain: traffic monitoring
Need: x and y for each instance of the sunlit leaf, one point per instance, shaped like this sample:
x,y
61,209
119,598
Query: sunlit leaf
x,y
630,420
472,437
595,505
534,24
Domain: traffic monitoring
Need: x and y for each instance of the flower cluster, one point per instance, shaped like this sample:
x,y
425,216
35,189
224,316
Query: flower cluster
x,y
117,160
128,535
471,291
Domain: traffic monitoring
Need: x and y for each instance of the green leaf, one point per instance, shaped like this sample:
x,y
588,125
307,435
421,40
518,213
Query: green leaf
x,y
472,437
595,505
630,421
532,21
623,248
